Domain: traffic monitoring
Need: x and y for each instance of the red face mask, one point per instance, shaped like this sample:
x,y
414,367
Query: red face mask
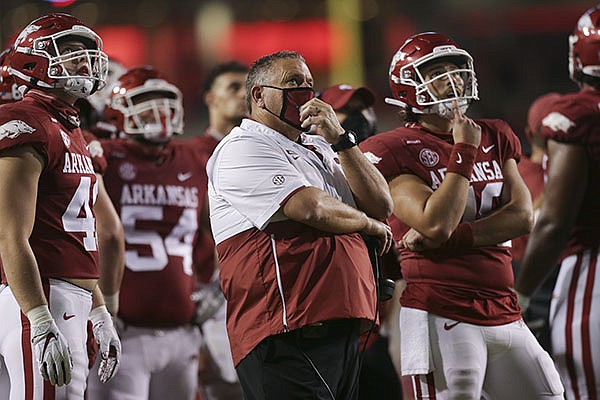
x,y
293,99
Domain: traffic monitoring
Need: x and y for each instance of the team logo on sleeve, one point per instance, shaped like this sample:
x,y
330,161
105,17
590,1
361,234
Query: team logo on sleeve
x,y
373,159
557,122
14,128
429,158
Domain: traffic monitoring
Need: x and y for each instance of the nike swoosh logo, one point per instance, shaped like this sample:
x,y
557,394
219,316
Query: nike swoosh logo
x,y
459,160
448,326
48,339
487,149
67,317
291,153
184,176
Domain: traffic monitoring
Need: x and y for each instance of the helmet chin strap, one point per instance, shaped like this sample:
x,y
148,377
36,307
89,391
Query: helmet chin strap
x,y
78,87
445,110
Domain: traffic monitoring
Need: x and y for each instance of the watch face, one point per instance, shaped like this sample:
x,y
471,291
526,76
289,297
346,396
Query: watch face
x,y
351,137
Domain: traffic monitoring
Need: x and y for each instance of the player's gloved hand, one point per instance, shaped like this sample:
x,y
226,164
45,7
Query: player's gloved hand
x,y
50,347
108,340
208,298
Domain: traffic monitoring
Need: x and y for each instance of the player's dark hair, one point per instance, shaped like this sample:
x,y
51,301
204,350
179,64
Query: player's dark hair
x,y
220,69
407,116
262,67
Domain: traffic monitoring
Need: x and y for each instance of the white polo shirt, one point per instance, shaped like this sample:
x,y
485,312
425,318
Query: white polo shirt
x,y
255,169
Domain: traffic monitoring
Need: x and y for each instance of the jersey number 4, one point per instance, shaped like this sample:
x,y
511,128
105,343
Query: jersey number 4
x,y
177,243
78,216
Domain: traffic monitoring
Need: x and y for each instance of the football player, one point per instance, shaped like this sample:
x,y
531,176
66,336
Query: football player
x,y
224,93
48,237
532,172
9,90
458,199
568,225
158,188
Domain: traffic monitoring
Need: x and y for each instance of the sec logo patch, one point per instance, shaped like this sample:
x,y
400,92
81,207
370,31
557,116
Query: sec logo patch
x,y
278,180
127,171
429,158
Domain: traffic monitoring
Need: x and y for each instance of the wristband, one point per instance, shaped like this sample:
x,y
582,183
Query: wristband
x,y
38,315
111,301
462,159
461,239
99,313
347,141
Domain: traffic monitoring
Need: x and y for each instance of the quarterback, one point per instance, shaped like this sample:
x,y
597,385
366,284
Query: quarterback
x,y
458,199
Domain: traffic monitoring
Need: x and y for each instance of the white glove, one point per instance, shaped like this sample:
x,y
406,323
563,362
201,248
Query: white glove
x,y
50,346
208,299
108,340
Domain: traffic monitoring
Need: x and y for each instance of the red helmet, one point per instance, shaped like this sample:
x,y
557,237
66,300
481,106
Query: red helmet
x,y
143,102
9,92
99,99
584,46
408,85
37,60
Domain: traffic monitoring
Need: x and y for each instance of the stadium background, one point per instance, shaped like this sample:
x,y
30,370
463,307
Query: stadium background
x,y
520,47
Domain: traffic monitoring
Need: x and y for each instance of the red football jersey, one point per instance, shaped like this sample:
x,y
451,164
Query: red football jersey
x,y
158,196
574,119
474,285
64,234
205,142
533,176
204,246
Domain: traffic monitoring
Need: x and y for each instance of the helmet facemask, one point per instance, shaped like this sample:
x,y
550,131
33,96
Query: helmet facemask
x,y
153,111
442,105
412,75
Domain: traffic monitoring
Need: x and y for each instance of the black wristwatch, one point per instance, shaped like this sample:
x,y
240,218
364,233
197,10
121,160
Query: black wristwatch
x,y
347,141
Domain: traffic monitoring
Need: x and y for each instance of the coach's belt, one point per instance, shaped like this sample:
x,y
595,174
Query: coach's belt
x,y
329,328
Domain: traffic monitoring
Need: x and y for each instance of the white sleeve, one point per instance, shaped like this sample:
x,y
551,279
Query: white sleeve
x,y
255,177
